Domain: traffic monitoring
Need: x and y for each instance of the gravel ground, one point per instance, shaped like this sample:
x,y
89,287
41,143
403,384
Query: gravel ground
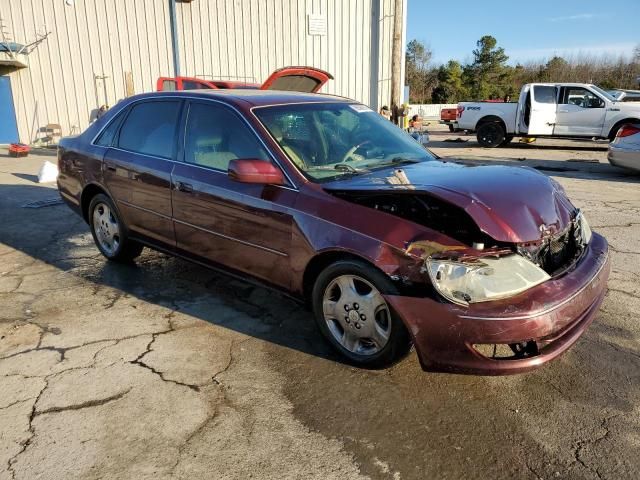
x,y
164,369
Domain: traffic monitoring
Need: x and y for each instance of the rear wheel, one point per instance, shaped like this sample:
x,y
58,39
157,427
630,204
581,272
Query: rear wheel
x,y
353,315
109,233
491,134
451,128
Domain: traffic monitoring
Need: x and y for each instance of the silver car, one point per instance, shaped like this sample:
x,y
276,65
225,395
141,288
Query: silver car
x,y
624,151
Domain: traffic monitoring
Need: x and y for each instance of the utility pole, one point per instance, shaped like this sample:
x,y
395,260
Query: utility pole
x,y
396,57
173,21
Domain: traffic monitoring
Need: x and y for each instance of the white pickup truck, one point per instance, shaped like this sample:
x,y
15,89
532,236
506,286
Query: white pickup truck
x,y
548,110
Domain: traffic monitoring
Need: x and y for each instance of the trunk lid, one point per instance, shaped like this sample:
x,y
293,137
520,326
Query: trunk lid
x,y
297,79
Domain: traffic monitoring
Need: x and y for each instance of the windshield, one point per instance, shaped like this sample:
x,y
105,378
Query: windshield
x,y
604,93
326,140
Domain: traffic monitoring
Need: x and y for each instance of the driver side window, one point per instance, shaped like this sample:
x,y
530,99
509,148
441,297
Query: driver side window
x,y
215,135
581,97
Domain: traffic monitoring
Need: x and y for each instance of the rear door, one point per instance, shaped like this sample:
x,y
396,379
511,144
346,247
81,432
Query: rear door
x,y
297,79
542,118
246,227
580,112
137,168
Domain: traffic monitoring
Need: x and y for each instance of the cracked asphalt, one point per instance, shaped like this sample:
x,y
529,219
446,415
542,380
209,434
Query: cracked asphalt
x,y
163,369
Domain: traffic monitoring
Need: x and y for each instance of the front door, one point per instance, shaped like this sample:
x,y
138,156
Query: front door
x,y
543,110
137,168
8,125
246,227
580,112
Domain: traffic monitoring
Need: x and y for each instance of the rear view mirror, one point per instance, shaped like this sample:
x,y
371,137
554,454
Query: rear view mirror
x,y
252,170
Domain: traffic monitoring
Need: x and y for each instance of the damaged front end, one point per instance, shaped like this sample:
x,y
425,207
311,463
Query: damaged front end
x,y
475,267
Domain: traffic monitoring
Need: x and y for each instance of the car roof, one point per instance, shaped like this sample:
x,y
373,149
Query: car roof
x,y
249,97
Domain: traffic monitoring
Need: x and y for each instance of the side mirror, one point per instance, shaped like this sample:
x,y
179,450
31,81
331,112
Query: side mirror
x,y
252,170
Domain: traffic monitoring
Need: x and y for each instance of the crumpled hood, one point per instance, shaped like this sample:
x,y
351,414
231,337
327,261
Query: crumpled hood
x,y
510,204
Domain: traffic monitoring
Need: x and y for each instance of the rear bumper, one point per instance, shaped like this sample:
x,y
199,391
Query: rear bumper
x,y
553,315
624,157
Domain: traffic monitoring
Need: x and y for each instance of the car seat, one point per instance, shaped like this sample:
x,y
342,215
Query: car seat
x,y
209,148
291,150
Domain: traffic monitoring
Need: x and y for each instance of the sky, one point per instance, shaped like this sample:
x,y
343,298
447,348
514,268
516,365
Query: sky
x,y
527,30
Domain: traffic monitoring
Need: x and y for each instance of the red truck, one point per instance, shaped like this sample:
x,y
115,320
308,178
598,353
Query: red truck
x,y
305,79
449,116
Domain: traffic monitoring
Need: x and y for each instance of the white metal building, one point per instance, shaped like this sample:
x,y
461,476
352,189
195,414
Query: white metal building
x,y
99,51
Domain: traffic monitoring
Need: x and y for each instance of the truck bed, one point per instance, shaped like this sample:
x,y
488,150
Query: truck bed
x,y
471,112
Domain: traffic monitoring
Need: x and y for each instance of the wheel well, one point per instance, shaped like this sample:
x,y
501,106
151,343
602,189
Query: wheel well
x,y
319,263
615,128
489,119
88,193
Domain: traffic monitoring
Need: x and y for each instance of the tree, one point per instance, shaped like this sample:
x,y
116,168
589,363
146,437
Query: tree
x,y
488,76
556,70
450,87
420,78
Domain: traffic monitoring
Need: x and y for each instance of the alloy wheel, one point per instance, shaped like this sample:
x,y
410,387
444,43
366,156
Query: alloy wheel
x,y
107,229
357,315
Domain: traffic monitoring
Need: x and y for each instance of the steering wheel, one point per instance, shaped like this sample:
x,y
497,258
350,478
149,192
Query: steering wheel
x,y
352,150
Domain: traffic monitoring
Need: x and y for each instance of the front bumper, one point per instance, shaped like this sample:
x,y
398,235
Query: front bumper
x,y
553,315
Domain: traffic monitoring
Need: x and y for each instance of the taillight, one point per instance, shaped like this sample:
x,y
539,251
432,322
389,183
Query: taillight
x,y
459,111
627,130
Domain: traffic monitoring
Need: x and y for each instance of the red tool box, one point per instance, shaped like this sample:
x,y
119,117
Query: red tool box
x,y
18,150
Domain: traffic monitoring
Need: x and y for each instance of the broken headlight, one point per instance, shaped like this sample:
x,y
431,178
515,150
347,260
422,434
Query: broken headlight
x,y
484,279
585,229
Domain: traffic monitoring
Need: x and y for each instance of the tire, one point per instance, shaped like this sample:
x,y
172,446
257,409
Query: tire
x,y
508,139
490,134
109,232
347,303
451,128
613,133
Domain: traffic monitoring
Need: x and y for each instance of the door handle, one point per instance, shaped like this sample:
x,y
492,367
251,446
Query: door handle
x,y
184,187
110,166
563,111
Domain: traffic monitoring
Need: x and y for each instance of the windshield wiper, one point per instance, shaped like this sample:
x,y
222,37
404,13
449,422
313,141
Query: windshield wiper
x,y
342,167
395,161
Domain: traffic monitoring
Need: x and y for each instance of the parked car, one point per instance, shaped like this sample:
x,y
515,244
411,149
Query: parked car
x,y
485,269
573,110
307,79
171,84
624,151
449,116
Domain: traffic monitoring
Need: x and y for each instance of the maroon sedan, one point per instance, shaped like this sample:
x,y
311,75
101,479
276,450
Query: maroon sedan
x,y
484,269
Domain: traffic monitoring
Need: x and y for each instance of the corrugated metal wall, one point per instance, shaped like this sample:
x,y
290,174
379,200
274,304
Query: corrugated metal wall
x,y
249,39
235,39
88,38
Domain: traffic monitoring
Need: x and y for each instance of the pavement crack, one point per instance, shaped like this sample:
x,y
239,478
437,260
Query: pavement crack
x,y
31,430
87,404
139,361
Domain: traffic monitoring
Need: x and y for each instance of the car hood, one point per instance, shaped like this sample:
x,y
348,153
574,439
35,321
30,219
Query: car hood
x,y
510,204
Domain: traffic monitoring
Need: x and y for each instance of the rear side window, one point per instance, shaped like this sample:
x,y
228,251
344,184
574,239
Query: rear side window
x,y
215,135
169,85
150,128
108,134
544,94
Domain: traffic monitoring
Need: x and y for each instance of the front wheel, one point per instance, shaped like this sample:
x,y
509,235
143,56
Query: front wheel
x,y
353,315
490,134
109,232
